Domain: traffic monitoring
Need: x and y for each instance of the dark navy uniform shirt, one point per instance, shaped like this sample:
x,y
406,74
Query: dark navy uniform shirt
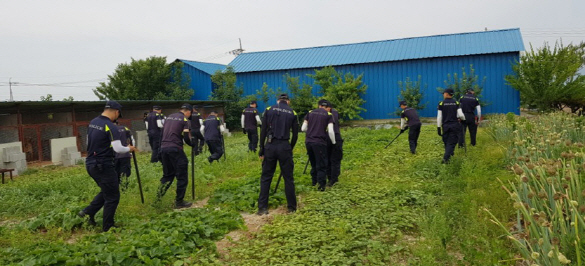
x,y
468,103
100,134
411,116
172,132
250,118
449,110
212,124
125,138
277,121
318,120
195,116
336,124
152,119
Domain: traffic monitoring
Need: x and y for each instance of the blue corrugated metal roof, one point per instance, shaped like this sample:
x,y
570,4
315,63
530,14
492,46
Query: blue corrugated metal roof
x,y
484,42
208,68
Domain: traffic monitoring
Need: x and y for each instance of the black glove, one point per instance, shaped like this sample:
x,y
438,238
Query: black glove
x,y
439,131
404,129
244,130
261,152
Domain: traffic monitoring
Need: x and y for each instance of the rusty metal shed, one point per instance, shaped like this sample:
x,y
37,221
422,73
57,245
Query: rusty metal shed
x,y
35,123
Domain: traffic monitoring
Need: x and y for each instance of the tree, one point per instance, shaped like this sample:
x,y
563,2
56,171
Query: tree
x,y
264,94
344,91
460,85
47,98
227,91
411,93
302,99
68,99
148,79
549,78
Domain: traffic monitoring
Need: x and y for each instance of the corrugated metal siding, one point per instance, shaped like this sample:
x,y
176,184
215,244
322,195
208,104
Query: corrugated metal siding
x,y
200,82
487,42
382,80
209,68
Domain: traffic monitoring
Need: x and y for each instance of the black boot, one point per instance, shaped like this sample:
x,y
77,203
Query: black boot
x,y
182,204
91,220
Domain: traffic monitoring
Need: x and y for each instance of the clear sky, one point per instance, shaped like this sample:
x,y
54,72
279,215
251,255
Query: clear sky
x,y
74,44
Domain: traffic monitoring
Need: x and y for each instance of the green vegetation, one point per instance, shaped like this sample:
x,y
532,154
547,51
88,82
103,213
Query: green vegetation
x,y
548,160
390,208
301,96
548,78
460,83
146,79
226,90
411,92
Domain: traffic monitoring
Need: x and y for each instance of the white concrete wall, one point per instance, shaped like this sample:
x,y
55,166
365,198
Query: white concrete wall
x,y
57,145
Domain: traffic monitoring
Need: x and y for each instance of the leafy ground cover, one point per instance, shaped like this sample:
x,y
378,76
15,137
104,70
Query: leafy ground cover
x,y
390,208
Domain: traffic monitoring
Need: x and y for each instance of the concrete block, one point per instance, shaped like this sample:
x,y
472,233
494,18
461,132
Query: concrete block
x,y
142,141
8,149
387,126
57,145
17,157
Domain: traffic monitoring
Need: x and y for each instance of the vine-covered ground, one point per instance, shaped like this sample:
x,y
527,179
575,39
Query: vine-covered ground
x,y
389,208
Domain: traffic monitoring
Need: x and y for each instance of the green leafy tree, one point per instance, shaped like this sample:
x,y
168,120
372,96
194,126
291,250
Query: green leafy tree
x,y
226,90
344,91
47,98
265,93
548,78
410,91
68,99
302,99
460,83
146,79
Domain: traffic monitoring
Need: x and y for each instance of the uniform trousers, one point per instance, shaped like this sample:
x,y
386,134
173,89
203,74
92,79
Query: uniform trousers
x,y
104,174
413,133
278,151
175,164
335,152
154,140
451,133
252,139
468,123
215,148
199,140
318,157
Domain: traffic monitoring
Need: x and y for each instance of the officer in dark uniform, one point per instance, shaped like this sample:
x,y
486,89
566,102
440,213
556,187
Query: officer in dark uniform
x,y
212,129
122,160
448,115
319,124
102,141
277,123
335,151
154,124
409,120
469,104
250,121
196,122
174,160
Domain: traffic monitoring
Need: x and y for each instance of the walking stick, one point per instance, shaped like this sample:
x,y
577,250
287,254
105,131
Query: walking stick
x,y
223,147
193,171
138,177
394,139
277,182
306,165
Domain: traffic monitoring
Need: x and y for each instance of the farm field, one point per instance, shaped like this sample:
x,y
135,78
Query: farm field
x,y
390,208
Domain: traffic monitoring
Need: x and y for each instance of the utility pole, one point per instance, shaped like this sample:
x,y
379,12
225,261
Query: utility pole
x,y
237,52
10,85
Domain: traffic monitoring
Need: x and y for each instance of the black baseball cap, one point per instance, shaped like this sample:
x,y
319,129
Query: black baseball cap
x,y
114,105
402,103
283,96
324,102
450,91
156,107
470,90
187,106
252,102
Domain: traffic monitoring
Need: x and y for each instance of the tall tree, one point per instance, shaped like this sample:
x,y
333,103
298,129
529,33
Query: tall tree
x,y
411,92
226,90
548,78
460,83
344,91
146,79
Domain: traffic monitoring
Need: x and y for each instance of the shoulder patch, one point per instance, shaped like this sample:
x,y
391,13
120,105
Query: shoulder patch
x,y
294,112
329,113
268,108
185,119
107,128
441,103
127,128
456,102
217,118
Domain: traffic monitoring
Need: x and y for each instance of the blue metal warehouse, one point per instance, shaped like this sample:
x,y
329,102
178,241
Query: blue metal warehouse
x,y
200,73
385,63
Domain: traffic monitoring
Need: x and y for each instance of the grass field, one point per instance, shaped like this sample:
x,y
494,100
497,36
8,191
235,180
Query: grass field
x,y
390,208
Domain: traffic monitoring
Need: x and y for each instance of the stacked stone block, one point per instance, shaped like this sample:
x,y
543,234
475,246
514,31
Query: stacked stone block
x,y
13,158
70,156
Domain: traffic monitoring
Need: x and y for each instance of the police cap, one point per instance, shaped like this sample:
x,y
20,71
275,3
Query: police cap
x,y
114,105
324,102
283,96
187,106
450,91
156,107
402,103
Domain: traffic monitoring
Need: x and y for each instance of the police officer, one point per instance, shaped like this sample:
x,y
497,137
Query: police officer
x,y
335,151
212,129
250,121
277,122
122,160
448,115
469,104
196,122
409,120
318,124
174,160
103,140
154,124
